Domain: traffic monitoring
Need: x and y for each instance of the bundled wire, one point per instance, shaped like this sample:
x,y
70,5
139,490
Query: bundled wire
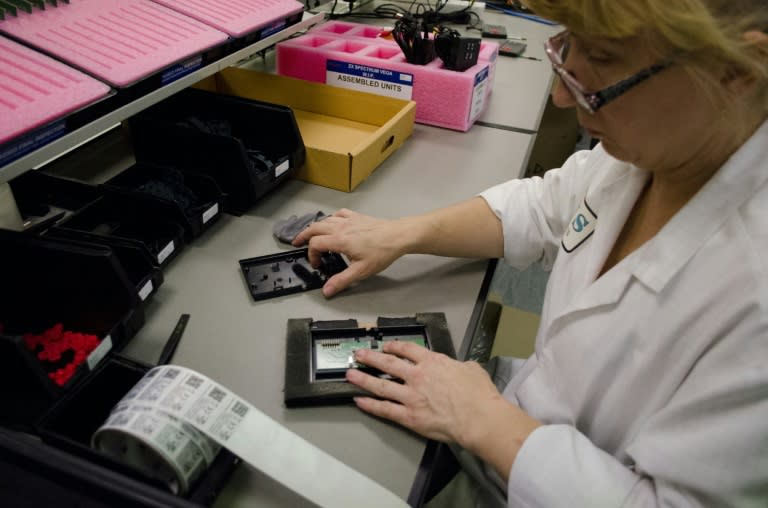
x,y
425,12
413,38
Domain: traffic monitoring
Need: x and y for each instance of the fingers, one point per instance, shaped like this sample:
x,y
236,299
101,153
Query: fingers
x,y
335,284
390,364
380,387
323,227
383,409
407,350
318,246
345,213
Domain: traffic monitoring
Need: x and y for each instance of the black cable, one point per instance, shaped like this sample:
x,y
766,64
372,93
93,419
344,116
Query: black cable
x,y
431,16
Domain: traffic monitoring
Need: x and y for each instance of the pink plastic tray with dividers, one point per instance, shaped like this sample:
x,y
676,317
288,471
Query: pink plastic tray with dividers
x,y
37,89
237,17
118,41
357,56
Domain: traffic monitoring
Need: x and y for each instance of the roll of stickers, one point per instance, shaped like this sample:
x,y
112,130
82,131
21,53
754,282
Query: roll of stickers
x,y
173,422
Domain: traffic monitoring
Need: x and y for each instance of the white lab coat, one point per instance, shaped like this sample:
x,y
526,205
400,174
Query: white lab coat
x,y
652,380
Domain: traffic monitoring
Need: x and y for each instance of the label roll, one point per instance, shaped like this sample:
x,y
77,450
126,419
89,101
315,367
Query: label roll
x,y
174,421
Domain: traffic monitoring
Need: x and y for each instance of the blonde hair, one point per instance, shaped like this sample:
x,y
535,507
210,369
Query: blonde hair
x,y
710,33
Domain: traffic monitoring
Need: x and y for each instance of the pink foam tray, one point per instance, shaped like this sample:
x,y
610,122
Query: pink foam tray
x,y
37,89
118,41
238,17
359,57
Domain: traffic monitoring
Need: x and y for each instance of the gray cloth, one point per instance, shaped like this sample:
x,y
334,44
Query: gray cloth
x,y
286,230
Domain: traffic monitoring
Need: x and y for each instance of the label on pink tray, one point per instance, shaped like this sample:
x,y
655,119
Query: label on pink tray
x,y
479,94
365,78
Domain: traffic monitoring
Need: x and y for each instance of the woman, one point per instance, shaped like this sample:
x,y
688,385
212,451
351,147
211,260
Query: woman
x,y
649,384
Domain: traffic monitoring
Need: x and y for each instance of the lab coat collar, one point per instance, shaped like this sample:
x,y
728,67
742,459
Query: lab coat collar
x,y
613,198
677,242
616,195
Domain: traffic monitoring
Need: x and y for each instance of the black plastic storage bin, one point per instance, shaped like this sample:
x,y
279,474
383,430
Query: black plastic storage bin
x,y
71,422
35,474
247,146
43,199
48,283
194,200
143,271
119,219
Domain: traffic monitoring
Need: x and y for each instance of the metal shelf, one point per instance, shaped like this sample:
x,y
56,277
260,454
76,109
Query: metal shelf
x,y
89,131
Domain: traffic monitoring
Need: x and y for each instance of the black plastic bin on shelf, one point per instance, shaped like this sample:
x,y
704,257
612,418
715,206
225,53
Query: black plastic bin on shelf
x,y
194,200
71,422
43,199
116,219
143,271
45,283
247,146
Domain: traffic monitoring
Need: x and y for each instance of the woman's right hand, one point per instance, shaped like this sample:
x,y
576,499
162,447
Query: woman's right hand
x,y
370,245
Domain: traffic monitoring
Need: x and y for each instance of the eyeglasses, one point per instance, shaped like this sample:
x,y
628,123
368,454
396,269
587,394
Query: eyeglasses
x,y
557,50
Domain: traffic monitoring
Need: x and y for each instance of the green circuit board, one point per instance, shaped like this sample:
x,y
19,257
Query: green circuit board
x,y
335,354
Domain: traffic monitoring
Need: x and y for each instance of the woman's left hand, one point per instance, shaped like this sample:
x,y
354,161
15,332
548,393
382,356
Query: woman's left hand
x,y
443,399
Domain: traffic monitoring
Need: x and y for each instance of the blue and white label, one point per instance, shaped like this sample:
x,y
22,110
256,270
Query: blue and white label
x,y
369,79
581,227
32,141
180,70
273,28
479,94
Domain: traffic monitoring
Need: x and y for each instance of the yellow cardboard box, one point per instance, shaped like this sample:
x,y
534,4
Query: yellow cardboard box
x,y
347,134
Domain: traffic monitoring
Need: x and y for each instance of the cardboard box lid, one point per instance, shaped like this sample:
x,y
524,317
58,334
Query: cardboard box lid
x,y
347,133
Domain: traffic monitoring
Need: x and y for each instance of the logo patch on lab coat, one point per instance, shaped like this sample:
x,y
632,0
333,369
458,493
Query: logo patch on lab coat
x,y
581,227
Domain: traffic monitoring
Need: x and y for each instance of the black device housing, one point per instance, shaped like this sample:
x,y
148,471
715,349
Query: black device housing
x,y
512,48
302,388
286,273
457,53
494,31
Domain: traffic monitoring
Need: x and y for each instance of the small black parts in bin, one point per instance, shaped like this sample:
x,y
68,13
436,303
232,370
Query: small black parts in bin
x,y
457,53
192,200
258,160
169,184
288,272
247,147
319,353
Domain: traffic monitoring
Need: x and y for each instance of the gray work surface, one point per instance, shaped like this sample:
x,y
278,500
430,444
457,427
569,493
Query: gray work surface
x,y
241,343
521,86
